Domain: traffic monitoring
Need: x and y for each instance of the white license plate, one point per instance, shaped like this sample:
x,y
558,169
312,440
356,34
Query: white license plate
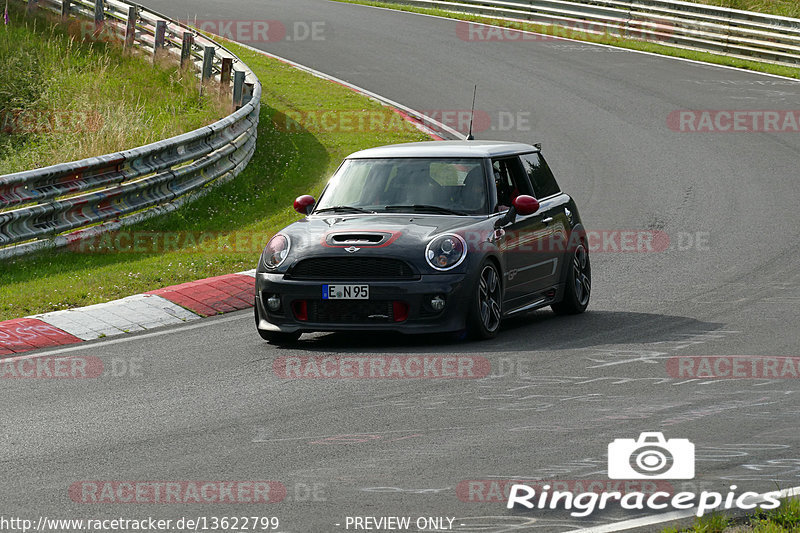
x,y
345,292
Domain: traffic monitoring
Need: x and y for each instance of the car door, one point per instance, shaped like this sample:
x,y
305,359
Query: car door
x,y
553,211
529,266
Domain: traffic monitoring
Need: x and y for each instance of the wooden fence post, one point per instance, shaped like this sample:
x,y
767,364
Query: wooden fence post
x,y
238,89
130,27
225,75
208,63
161,31
186,47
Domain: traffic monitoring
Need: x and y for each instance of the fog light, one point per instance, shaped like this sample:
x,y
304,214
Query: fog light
x,y
437,303
274,303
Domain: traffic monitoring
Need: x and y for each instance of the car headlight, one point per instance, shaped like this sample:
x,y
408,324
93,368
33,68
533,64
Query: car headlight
x,y
276,251
446,251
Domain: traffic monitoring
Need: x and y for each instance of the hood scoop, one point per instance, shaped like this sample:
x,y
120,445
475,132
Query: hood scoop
x,y
359,238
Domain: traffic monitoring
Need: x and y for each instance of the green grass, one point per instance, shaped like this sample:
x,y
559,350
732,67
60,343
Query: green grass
x,y
713,523
608,39
784,519
785,8
254,205
101,99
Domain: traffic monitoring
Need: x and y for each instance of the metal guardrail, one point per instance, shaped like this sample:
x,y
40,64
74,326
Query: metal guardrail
x,y
58,205
719,30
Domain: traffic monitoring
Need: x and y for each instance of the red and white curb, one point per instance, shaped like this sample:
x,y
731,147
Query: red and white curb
x,y
162,307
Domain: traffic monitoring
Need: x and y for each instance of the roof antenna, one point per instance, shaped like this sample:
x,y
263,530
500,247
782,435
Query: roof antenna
x,y
470,137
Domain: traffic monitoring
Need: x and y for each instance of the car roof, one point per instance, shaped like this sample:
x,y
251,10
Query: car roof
x,y
446,149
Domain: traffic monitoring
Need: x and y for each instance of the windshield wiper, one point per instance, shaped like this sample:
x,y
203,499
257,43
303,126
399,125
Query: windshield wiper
x,y
348,208
425,207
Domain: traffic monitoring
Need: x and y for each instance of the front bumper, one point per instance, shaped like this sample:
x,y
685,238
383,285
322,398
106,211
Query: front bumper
x,y
339,315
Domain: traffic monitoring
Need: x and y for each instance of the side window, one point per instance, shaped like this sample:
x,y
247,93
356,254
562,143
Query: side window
x,y
510,181
542,179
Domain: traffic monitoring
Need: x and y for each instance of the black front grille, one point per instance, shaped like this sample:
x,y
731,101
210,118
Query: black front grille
x,y
351,268
350,311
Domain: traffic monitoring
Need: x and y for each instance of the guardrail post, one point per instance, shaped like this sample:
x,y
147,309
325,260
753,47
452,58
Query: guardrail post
x,y
32,228
238,88
186,47
247,92
208,62
161,31
130,27
225,75
99,16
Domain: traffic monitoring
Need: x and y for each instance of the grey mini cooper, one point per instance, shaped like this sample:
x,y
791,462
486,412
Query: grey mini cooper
x,y
440,236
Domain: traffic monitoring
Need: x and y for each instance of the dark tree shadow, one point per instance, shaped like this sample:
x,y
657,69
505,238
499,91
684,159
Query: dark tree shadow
x,y
542,330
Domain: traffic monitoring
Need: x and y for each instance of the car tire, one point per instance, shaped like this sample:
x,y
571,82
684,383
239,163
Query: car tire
x,y
275,337
486,307
578,283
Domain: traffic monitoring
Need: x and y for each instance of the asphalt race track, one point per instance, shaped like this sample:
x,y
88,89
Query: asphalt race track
x,y
202,402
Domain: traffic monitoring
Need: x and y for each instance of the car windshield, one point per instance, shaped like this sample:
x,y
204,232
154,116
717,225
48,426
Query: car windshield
x,y
429,185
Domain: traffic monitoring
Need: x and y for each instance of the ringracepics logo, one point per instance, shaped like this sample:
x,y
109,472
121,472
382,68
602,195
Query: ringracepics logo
x,y
498,490
650,457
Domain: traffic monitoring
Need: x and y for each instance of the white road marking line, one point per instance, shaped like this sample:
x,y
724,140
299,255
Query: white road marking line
x,y
666,517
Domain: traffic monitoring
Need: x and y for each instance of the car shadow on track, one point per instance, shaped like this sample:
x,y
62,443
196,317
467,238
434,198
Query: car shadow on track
x,y
537,331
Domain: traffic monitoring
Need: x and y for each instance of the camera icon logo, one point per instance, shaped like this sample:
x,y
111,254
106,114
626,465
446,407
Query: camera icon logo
x,y
651,457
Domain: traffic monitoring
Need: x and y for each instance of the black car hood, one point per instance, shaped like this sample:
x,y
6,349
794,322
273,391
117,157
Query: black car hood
x,y
313,234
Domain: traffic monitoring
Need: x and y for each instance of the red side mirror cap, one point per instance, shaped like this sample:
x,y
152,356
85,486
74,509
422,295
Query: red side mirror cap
x,y
304,204
525,205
